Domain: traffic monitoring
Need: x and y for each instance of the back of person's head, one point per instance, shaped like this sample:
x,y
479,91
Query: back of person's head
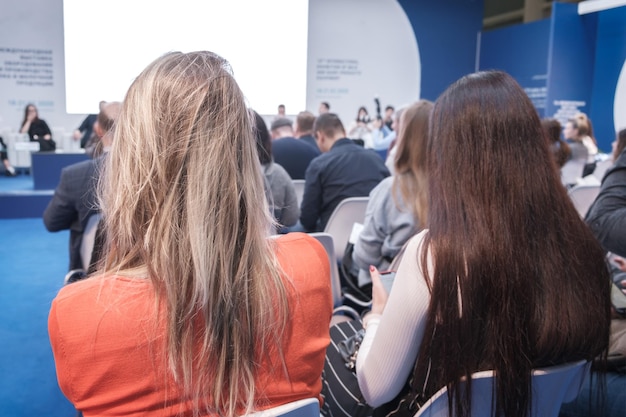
x,y
263,138
411,161
330,125
304,122
184,206
281,127
552,129
559,148
584,124
508,242
107,116
620,144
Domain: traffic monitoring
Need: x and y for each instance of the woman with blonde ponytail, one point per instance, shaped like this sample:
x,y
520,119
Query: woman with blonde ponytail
x,y
195,310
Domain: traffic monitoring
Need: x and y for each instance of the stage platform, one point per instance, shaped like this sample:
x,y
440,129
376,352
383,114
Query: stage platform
x,y
27,195
19,199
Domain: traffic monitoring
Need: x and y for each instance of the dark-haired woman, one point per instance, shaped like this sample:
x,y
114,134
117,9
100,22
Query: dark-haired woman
x,y
490,285
280,192
559,148
37,129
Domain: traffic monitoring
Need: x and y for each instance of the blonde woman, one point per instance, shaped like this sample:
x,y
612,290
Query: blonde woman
x,y
195,310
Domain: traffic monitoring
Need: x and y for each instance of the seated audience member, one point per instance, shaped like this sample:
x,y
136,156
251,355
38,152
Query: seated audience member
x,y
618,144
344,170
585,129
499,241
559,148
397,206
360,129
74,199
37,129
9,170
381,137
574,168
607,215
388,119
392,138
196,310
85,130
303,129
607,219
292,154
281,194
574,134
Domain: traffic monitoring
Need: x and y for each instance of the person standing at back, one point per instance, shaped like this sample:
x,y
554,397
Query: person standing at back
x,y
344,170
292,154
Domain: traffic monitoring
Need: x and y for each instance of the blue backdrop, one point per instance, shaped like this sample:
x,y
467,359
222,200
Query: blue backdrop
x,y
447,51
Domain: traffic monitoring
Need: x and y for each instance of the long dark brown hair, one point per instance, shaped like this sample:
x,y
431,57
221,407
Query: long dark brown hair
x,y
519,281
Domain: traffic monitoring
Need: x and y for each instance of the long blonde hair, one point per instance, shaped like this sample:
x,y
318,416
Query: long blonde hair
x,y
183,199
411,179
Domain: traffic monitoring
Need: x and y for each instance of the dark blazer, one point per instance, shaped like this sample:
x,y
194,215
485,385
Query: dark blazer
x,y
347,170
294,155
73,203
310,140
607,215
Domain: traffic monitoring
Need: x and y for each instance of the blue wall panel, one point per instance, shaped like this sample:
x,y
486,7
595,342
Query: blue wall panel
x,y
447,47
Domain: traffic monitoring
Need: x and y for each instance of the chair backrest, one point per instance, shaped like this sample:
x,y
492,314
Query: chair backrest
x,y
349,211
572,171
299,186
602,167
583,197
327,241
308,407
89,237
551,387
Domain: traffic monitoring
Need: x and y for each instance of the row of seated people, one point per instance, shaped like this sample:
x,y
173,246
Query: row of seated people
x,y
194,310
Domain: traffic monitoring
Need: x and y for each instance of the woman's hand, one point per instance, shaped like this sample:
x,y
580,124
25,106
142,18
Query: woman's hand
x,y
379,293
620,262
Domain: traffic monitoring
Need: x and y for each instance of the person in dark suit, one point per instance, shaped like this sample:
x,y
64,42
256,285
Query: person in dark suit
x,y
74,199
344,170
292,154
85,130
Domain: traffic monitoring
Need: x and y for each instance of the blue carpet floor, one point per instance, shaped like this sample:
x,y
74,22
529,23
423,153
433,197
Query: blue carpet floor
x,y
17,183
34,263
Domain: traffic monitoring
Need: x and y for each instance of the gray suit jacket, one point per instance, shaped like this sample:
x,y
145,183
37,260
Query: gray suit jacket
x,y
73,202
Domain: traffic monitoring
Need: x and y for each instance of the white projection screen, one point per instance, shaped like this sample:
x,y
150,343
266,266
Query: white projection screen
x,y
109,42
